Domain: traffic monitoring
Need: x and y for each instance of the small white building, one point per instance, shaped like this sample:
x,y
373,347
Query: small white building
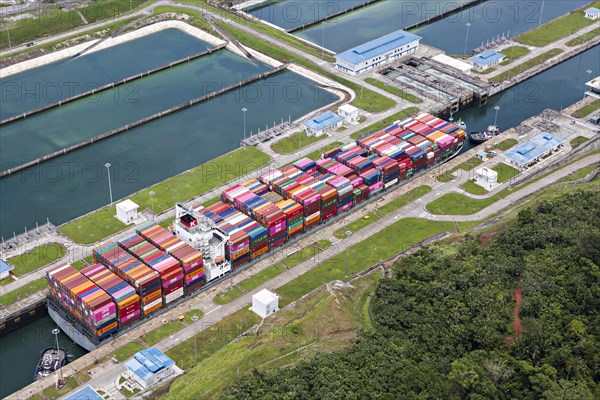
x,y
594,84
458,65
592,13
5,269
487,59
265,303
377,52
349,113
322,123
486,178
127,211
149,367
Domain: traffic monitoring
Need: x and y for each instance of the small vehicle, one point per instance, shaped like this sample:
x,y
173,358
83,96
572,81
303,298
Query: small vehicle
x,y
30,44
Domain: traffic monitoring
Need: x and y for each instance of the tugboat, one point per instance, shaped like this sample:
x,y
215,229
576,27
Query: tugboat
x,y
480,137
51,360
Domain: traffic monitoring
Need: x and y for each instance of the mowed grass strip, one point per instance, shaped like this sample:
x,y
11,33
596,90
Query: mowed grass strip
x,y
557,28
315,155
578,141
23,292
583,38
214,338
512,53
394,90
473,188
506,144
505,172
36,258
527,65
459,204
384,123
187,185
295,142
380,246
586,110
124,353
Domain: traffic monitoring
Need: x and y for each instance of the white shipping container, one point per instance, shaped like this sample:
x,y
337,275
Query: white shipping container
x,y
174,295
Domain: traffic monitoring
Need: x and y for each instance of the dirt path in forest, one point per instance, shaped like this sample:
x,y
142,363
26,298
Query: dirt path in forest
x,y
516,325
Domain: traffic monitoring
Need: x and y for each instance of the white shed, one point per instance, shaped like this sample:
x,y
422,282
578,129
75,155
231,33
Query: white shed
x,y
486,178
265,303
127,211
349,112
459,65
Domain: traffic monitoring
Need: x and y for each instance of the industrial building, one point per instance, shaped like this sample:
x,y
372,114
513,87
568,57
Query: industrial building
x,y
127,211
149,367
487,59
349,112
458,65
265,303
486,178
322,123
377,52
592,13
594,84
5,269
533,151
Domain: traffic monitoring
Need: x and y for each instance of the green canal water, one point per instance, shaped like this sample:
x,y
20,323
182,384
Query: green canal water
x,y
488,20
20,352
62,79
75,122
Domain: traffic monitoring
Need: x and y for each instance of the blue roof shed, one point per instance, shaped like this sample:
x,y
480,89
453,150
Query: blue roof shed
x,y
487,57
592,11
378,46
86,393
525,153
547,141
4,266
148,362
323,121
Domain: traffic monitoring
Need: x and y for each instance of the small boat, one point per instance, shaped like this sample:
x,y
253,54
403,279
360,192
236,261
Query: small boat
x,y
480,137
51,360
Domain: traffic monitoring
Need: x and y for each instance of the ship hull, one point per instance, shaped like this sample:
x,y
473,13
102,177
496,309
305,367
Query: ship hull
x,y
70,330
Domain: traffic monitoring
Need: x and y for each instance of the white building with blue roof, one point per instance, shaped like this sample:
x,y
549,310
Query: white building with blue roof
x,y
592,13
5,269
523,155
547,141
376,52
487,59
322,123
85,393
149,367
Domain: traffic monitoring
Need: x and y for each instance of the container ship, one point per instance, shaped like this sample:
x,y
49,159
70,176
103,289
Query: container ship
x,y
148,272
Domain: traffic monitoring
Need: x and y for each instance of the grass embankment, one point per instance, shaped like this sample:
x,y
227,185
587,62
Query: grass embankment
x,y
586,110
506,144
320,323
578,141
382,211
102,223
512,53
447,176
380,246
384,123
23,292
583,38
394,90
315,155
368,101
213,338
54,21
527,65
196,19
295,142
290,261
557,28
36,258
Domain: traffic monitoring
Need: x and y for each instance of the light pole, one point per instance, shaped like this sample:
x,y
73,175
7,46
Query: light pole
x,y
55,332
467,37
152,193
589,71
194,319
496,116
323,40
541,12
244,111
8,34
107,165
